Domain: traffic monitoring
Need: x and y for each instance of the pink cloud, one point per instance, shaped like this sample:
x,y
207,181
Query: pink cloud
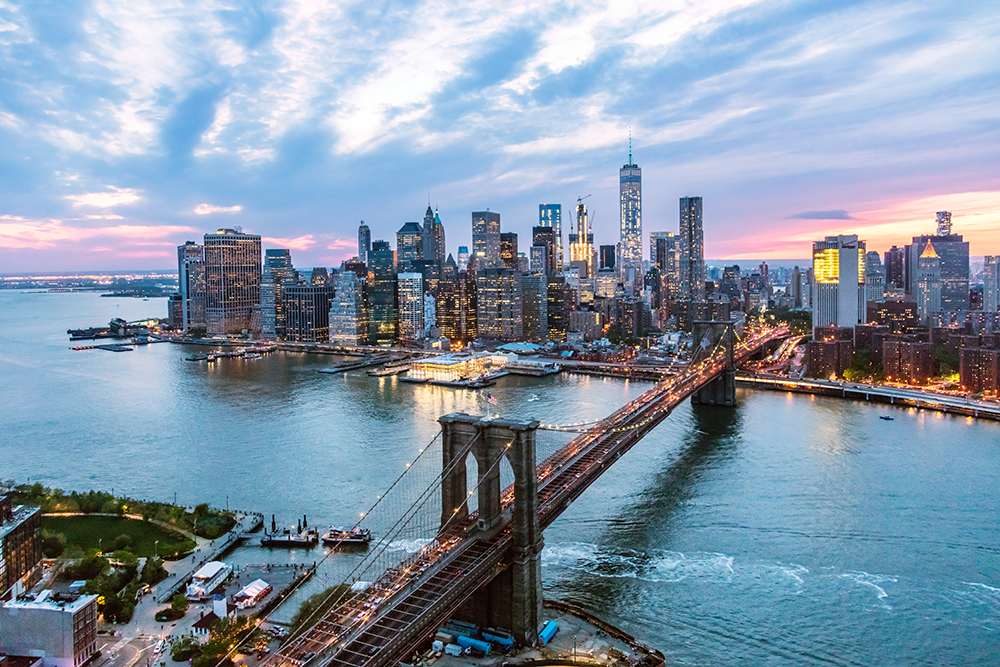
x,y
298,243
21,233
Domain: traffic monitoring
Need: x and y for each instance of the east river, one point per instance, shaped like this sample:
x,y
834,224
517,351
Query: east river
x,y
788,531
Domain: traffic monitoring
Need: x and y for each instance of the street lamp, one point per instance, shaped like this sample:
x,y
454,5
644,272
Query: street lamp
x,y
156,552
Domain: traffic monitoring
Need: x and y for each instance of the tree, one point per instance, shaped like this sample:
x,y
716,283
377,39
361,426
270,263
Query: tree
x,y
153,572
179,604
53,544
122,542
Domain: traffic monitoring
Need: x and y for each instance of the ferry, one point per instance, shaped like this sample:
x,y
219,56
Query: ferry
x,y
338,536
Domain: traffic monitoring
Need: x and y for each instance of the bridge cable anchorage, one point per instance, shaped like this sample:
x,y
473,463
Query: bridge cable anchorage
x,y
371,559
237,644
359,620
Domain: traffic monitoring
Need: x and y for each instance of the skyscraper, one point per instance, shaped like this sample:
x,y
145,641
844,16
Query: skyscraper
x,y
434,241
277,275
410,288
348,316
550,215
382,318
944,223
364,241
545,236
508,250
539,259
630,251
894,259
928,282
463,257
654,237
191,280
954,255
839,282
232,278
607,257
307,313
486,239
692,250
409,246
534,307
581,243
498,294
874,277
991,284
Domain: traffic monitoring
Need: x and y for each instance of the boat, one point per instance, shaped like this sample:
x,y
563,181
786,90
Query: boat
x,y
887,418
197,357
480,383
338,536
289,538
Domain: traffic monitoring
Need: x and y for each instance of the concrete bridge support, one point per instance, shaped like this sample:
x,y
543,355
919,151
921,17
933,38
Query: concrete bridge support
x,y
722,390
513,599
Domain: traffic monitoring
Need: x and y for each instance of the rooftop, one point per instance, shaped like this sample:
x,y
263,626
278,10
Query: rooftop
x,y
21,513
70,602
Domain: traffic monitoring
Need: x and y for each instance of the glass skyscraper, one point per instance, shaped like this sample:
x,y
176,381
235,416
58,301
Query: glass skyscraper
x,y
486,239
692,250
277,275
630,250
232,277
550,215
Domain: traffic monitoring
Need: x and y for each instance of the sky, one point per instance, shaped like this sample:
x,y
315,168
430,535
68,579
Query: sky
x,y
130,126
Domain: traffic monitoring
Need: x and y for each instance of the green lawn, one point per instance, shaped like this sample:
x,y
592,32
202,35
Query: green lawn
x,y
91,532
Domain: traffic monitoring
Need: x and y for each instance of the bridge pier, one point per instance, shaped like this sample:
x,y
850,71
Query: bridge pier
x,y
721,390
513,599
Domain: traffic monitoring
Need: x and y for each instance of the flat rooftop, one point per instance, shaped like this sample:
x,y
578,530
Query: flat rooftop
x,y
21,513
53,602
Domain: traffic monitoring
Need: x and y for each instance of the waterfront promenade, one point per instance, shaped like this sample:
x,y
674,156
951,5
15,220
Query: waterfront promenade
x,y
899,396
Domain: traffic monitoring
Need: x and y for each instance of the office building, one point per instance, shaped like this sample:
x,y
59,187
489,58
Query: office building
x,y
430,316
457,305
410,290
630,239
434,242
61,628
277,275
874,277
605,283
607,257
991,283
409,246
539,262
191,285
561,301
508,250
382,318
498,294
899,316
691,246
319,276
545,236
659,239
307,313
929,287
550,215
523,262
581,244
587,323
348,314
232,279
895,258
20,547
534,307
486,239
463,258
838,282
954,256
364,241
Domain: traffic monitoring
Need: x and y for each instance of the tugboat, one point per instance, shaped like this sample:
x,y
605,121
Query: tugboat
x,y
887,418
345,536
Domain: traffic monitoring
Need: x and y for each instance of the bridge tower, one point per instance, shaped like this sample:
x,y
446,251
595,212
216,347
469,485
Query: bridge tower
x,y
721,390
513,599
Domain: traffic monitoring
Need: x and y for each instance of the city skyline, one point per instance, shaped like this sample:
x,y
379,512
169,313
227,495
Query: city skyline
x,y
129,133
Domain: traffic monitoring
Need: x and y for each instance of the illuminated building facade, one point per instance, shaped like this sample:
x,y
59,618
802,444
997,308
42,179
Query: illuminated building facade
x,y
410,289
991,284
364,241
457,305
20,546
486,239
900,316
550,215
508,250
382,317
953,252
307,313
908,362
691,244
409,246
581,244
534,307
545,237
560,305
979,369
928,292
454,367
191,283
348,313
630,236
838,282
232,278
277,275
498,294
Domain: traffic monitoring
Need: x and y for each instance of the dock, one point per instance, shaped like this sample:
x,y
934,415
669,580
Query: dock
x,y
110,347
366,362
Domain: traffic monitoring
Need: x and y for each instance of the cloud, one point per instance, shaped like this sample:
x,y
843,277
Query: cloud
x,y
114,197
23,233
835,214
342,244
298,243
206,209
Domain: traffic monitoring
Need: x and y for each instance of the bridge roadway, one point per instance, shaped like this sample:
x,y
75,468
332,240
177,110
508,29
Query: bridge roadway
x,y
383,625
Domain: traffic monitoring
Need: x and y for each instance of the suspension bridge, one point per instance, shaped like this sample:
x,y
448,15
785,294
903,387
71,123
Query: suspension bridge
x,y
484,564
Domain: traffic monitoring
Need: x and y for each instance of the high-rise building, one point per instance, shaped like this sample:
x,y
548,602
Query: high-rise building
x,y
319,276
894,260
539,261
409,246
498,294
523,262
486,239
928,282
692,250
581,244
795,287
545,236
607,257
277,275
348,315
550,215
991,283
954,255
605,283
191,280
382,317
658,239
307,313
508,250
560,296
20,547
838,282
430,314
456,304
874,277
232,279
463,257
534,307
410,288
630,248
364,241
433,239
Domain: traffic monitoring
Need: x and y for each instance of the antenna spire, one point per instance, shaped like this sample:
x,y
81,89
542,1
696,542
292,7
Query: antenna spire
x,y
630,144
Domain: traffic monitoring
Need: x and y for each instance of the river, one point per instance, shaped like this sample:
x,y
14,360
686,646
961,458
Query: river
x,y
791,530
